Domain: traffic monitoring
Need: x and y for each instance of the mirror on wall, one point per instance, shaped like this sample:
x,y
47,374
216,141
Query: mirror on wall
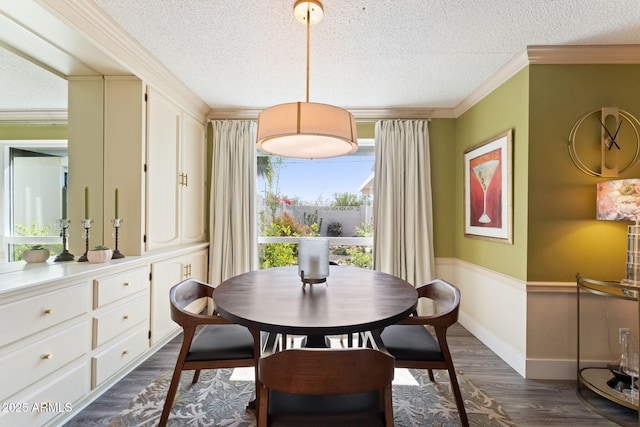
x,y
33,152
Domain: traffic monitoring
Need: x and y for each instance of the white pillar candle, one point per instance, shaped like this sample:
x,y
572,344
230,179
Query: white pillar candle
x,y
313,257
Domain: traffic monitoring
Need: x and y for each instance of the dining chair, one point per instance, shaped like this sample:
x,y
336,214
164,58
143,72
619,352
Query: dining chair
x,y
413,345
209,340
326,387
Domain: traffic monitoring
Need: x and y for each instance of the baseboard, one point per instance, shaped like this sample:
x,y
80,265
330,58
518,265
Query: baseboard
x,y
499,347
541,369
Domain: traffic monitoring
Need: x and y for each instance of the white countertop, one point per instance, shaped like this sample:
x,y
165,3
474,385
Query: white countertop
x,y
20,275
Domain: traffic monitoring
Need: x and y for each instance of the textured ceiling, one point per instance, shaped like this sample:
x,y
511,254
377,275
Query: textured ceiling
x,y
26,86
365,53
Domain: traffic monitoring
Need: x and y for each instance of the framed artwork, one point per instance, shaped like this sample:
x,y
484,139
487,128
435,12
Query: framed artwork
x,y
488,189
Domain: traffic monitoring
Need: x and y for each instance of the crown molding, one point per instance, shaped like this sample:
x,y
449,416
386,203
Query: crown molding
x,y
88,19
550,55
361,114
503,74
233,114
34,116
397,113
584,54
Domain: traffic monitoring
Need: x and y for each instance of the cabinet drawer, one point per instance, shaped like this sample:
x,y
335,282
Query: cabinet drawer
x,y
121,285
35,361
114,322
31,315
119,355
59,394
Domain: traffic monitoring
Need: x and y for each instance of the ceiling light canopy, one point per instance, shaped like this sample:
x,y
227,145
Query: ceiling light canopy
x,y
307,130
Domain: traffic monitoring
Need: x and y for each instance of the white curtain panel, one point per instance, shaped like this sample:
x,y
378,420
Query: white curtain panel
x,y
402,207
233,248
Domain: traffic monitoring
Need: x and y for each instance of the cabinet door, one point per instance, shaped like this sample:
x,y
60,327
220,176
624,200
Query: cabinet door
x,y
163,201
164,275
193,198
198,263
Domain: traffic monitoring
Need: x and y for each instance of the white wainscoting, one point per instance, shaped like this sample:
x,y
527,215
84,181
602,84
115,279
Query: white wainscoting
x,y
532,326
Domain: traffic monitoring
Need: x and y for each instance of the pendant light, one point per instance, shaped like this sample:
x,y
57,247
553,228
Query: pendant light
x,y
307,130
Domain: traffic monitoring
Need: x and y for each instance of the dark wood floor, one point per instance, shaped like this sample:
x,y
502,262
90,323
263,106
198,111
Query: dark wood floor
x,y
528,402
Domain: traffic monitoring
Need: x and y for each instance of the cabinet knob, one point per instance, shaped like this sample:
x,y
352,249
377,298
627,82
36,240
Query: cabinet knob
x,y
126,283
124,353
49,311
125,317
48,356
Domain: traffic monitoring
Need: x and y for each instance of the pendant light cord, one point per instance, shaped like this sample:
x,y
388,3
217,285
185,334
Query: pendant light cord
x,y
308,36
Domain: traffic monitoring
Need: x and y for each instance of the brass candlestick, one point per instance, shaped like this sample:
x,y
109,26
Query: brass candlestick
x,y
87,225
63,223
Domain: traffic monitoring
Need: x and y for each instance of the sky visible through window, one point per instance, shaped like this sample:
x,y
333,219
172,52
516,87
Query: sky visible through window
x,y
316,181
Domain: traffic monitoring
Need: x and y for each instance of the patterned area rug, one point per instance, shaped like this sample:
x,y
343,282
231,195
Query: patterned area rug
x,y
220,398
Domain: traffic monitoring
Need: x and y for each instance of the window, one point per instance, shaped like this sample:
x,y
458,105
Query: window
x,y
35,172
323,197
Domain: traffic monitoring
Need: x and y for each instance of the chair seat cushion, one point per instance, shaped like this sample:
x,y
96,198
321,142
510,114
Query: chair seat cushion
x,y
361,409
221,342
411,342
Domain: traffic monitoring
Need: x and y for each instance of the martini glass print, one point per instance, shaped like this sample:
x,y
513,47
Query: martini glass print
x,y
484,173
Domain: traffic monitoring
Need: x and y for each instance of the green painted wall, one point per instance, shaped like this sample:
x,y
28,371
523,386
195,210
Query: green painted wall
x,y
568,239
33,131
507,107
442,138
366,130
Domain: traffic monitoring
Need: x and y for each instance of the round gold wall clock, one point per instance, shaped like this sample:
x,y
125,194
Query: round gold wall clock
x,y
605,142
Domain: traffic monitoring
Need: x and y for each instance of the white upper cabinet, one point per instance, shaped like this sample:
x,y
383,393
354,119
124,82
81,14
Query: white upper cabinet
x,y
193,168
176,165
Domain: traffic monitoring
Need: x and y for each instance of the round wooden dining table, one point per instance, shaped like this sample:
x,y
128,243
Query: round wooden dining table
x,y
352,300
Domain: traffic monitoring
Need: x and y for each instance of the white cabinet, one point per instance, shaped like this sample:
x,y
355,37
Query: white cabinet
x,y
42,311
45,340
120,322
56,395
193,195
117,356
43,357
165,274
176,165
66,339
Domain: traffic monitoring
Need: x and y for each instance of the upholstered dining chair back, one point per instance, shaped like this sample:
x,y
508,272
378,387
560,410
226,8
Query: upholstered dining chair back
x,y
209,341
326,387
413,345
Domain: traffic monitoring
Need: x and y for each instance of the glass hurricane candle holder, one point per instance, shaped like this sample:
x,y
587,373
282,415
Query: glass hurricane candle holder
x,y
313,260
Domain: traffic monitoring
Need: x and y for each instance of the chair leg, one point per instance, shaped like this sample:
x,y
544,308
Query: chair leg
x,y
431,377
458,396
196,376
263,405
387,397
253,404
171,394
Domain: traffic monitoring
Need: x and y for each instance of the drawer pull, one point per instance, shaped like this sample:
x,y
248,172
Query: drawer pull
x,y
126,283
124,353
125,317
49,311
48,356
